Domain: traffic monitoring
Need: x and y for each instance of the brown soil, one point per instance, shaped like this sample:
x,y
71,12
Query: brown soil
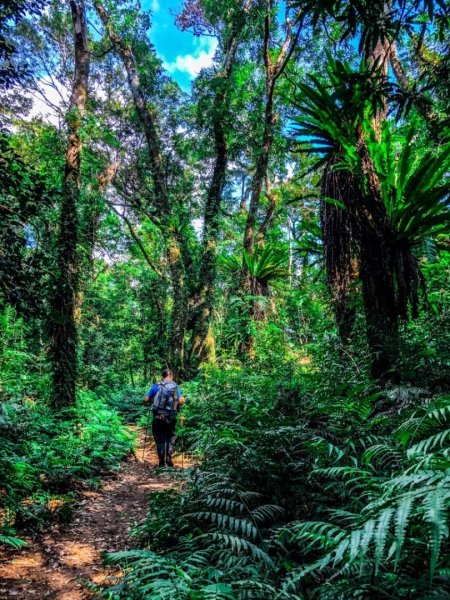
x,y
55,563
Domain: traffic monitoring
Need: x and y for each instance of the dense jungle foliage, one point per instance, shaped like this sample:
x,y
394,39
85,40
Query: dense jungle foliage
x,y
278,234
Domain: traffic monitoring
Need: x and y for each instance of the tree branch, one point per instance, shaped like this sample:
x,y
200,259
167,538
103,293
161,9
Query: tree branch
x,y
138,241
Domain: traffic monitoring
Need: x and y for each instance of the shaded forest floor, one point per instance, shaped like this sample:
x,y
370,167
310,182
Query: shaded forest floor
x,y
55,564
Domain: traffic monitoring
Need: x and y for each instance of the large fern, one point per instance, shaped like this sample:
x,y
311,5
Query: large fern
x,y
400,514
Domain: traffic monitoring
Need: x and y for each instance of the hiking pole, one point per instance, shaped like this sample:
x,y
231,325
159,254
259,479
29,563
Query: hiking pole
x,y
182,442
146,435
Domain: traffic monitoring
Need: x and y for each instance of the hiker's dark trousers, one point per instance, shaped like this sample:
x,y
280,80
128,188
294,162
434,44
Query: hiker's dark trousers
x,y
164,435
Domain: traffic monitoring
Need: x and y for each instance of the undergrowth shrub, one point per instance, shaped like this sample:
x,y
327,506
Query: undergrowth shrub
x,y
212,540
308,487
391,532
126,400
43,458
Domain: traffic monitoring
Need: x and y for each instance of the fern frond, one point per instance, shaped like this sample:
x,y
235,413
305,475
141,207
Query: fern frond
x,y
239,546
402,517
435,517
430,443
267,513
12,541
383,454
381,533
317,533
226,522
226,504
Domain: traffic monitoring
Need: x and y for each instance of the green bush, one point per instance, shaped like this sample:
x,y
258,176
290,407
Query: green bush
x,y
127,400
43,457
308,487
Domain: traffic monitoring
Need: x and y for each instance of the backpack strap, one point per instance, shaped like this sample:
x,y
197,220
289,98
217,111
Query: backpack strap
x,y
175,399
158,396
163,396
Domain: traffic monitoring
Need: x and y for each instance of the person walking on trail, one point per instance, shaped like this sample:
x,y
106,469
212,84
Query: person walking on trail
x,y
167,399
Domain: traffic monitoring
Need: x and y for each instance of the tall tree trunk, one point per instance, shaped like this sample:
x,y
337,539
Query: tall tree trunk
x,y
273,70
261,166
364,230
359,242
378,274
64,339
377,241
202,348
340,227
88,229
340,244
202,340
204,300
161,195
88,232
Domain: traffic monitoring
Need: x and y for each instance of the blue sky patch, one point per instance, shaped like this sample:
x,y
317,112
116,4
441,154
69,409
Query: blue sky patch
x,y
183,54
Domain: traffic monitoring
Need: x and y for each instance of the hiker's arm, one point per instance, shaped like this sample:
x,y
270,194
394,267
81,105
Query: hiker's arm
x,y
151,394
181,399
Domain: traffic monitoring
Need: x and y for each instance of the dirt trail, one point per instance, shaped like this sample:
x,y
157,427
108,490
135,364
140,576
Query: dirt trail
x,y
52,565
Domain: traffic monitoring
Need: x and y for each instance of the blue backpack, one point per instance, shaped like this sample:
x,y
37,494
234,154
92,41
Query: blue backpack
x,y
165,403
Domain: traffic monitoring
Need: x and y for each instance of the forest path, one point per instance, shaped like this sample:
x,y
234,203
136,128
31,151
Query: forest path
x,y
52,565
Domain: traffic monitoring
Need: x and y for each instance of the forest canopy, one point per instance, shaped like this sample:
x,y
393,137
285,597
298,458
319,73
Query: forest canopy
x,y
269,218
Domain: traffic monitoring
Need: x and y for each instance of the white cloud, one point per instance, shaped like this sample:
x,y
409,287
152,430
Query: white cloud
x,y
290,167
193,63
155,6
50,101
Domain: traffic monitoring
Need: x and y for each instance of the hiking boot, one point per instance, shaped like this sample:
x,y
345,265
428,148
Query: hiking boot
x,y
169,450
161,451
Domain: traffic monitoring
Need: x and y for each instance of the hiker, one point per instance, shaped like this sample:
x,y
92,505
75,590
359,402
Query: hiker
x,y
167,399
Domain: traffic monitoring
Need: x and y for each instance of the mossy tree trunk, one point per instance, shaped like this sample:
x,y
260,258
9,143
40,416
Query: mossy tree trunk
x,y
340,239
360,242
63,325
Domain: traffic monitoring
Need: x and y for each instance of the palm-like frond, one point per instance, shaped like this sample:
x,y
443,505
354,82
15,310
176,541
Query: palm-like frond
x,y
231,264
12,541
268,264
265,266
413,179
329,115
414,184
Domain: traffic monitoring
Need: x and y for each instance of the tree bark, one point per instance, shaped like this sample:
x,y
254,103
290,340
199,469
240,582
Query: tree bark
x,y
363,230
377,242
273,70
378,273
340,239
88,229
64,338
